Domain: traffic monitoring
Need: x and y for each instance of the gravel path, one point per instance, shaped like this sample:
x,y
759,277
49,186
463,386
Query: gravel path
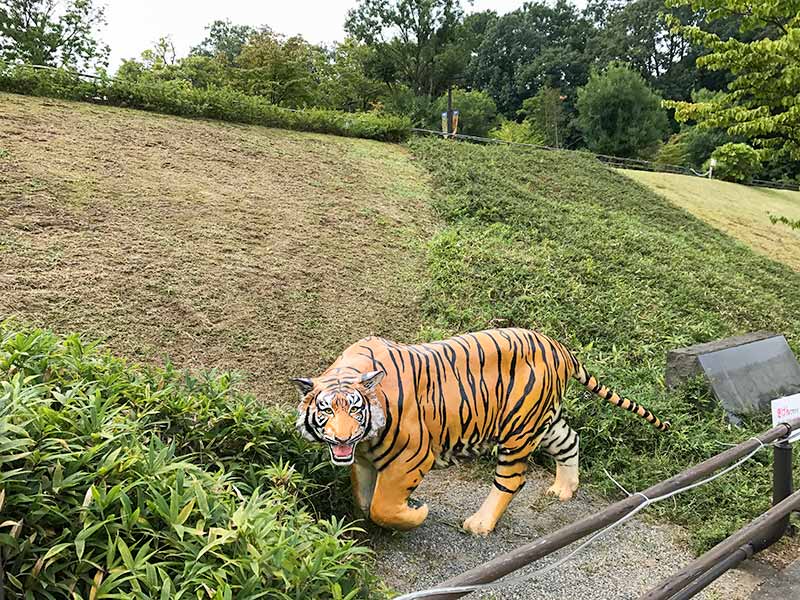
x,y
625,564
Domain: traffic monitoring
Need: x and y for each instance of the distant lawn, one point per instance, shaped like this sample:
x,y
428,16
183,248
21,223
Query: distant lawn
x,y
558,242
228,246
740,210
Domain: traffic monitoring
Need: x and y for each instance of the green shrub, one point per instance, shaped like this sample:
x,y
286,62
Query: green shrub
x,y
736,162
178,97
674,152
521,133
620,114
700,143
123,481
401,100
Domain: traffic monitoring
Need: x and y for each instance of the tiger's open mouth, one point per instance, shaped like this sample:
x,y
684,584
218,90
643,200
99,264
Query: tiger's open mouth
x,y
342,454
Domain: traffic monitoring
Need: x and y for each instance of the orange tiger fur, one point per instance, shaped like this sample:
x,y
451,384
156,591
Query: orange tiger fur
x,y
411,406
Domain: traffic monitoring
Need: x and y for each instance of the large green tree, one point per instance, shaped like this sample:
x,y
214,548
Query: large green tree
x,y
411,38
546,113
224,41
619,114
280,69
52,33
639,33
344,80
526,49
762,102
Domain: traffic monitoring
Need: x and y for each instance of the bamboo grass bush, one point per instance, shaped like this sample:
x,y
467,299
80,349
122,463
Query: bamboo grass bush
x,y
120,481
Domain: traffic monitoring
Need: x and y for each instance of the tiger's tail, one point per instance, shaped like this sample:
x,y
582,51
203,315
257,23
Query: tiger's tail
x,y
596,387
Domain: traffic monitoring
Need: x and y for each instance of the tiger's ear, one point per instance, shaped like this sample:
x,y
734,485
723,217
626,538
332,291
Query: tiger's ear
x,y
371,379
303,385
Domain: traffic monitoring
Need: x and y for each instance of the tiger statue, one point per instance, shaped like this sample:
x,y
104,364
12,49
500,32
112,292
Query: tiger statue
x,y
393,411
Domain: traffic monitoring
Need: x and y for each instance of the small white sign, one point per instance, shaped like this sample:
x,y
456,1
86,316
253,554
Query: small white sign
x,y
784,409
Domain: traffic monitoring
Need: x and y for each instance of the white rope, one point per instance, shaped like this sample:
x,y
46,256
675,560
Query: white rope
x,y
591,540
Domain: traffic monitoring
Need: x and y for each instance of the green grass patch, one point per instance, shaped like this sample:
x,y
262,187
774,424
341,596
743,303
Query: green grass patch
x,y
127,482
557,242
181,99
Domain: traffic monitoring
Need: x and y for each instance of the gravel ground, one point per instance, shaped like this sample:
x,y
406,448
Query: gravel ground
x,y
625,564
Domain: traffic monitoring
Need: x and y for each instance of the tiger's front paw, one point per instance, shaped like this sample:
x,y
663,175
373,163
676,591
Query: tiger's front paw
x,y
402,518
478,524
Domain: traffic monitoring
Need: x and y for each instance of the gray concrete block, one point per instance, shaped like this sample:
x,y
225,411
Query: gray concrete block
x,y
783,586
746,378
683,363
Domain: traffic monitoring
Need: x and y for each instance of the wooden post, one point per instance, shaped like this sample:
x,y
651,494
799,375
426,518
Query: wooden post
x,y
449,110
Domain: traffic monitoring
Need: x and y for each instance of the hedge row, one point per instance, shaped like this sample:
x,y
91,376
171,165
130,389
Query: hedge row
x,y
119,481
181,99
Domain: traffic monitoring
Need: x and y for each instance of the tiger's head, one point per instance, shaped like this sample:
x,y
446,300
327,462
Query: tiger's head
x,y
340,412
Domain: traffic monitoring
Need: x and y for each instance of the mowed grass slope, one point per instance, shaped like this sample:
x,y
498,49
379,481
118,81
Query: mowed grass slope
x,y
217,245
739,210
557,242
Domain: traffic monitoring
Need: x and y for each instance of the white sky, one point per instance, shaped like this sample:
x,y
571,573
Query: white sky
x,y
133,25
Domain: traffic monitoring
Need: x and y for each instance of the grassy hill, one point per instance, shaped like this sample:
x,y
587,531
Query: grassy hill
x,y
739,210
217,245
267,251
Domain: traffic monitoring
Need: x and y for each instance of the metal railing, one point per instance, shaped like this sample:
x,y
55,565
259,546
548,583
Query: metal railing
x,y
756,536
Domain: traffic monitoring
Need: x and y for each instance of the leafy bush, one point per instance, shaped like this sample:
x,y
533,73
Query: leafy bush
x,y
121,481
785,220
178,97
619,114
556,241
521,133
700,143
736,162
674,152
401,100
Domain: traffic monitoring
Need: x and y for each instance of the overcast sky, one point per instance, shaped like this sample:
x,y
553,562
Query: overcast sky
x,y
134,25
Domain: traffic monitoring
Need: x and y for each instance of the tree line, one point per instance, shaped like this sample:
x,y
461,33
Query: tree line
x,y
679,82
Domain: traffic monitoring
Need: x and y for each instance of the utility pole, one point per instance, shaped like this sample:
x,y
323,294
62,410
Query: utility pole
x,y
450,109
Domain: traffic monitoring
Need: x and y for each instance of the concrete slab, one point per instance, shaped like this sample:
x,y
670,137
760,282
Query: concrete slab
x,y
785,585
683,364
745,378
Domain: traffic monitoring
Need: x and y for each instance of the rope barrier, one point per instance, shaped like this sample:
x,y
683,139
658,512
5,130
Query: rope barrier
x,y
543,571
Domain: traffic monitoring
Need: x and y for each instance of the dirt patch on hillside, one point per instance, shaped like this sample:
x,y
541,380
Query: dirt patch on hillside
x,y
217,245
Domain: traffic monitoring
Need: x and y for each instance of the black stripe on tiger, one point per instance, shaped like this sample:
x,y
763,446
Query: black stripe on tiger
x,y
594,386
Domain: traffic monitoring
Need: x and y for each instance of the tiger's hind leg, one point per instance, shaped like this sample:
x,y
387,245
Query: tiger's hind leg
x,y
562,443
509,477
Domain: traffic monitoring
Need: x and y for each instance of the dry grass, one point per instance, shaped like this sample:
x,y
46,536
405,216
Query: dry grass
x,y
245,248
739,210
